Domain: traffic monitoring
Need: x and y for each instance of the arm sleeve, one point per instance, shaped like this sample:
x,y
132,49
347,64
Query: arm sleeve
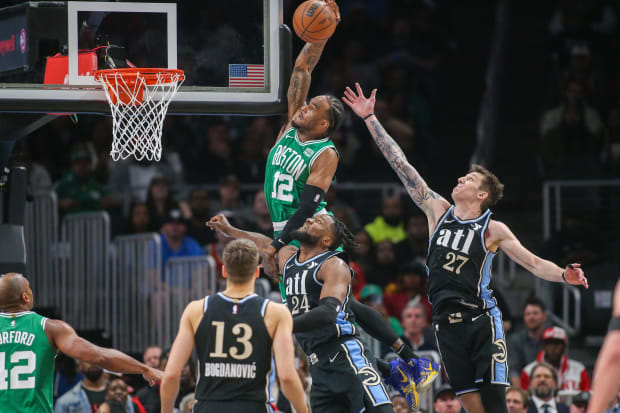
x,y
322,315
373,323
310,199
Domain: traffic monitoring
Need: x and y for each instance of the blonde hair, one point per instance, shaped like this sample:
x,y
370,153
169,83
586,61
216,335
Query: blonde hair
x,y
491,185
240,260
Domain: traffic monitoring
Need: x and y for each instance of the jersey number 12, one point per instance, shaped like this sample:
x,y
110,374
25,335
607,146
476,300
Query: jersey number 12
x,y
282,187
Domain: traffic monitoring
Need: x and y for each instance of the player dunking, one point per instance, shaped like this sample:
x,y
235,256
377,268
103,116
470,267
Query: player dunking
x,y
300,169
317,280
28,346
464,240
234,333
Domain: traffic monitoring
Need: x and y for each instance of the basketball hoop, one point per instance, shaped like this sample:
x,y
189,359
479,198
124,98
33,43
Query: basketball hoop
x,y
139,100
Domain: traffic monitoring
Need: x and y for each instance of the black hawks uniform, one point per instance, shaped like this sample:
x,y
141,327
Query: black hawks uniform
x,y
468,324
344,377
235,358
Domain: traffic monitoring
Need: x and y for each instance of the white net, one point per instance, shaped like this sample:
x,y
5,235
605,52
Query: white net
x,y
139,101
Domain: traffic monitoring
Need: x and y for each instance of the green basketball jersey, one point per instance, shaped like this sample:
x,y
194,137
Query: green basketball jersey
x,y
288,167
26,364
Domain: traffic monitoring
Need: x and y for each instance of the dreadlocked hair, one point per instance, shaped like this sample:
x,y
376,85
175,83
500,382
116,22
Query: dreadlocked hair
x,y
342,236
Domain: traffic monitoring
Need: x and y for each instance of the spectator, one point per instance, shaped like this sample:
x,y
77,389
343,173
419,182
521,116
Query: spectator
x,y
579,404
199,205
221,161
363,252
516,400
117,399
262,223
230,200
66,376
130,179
187,403
389,225
525,344
542,388
384,269
341,209
411,286
250,166
415,245
160,202
570,374
399,403
87,395
372,296
572,129
187,383
174,242
151,356
417,334
78,190
139,219
445,400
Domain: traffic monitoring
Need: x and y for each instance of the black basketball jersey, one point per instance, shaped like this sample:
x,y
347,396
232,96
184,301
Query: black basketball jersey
x,y
234,350
303,292
459,264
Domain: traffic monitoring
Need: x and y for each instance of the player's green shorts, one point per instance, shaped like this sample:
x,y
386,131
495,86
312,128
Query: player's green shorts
x,y
294,243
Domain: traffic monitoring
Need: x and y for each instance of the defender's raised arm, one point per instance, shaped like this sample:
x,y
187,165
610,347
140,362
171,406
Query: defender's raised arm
x,y
428,200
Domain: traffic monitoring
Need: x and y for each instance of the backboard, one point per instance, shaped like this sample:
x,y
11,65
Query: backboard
x,y
236,54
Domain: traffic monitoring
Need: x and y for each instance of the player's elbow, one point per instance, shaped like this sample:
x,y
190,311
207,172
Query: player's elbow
x,y
287,377
171,377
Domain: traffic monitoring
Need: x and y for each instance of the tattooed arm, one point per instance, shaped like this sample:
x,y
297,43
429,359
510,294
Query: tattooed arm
x,y
425,198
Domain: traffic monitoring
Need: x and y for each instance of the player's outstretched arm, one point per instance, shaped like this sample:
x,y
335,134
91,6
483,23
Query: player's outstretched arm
x,y
425,198
501,236
302,71
64,338
285,356
607,368
220,223
179,355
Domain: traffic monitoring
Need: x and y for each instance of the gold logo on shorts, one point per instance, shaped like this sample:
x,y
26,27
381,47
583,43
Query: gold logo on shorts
x,y
501,355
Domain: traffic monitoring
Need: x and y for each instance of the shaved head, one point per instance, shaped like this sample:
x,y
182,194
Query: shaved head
x,y
13,286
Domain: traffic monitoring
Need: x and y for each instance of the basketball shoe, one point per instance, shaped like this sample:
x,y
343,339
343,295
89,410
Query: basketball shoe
x,y
402,379
425,371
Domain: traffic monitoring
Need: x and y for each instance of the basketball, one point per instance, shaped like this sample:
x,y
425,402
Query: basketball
x,y
314,21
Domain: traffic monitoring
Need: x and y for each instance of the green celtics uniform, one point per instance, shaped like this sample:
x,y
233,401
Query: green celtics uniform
x,y
26,364
288,167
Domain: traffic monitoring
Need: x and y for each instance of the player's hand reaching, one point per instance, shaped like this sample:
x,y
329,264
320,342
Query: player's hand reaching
x,y
360,104
574,275
220,223
332,4
270,264
153,376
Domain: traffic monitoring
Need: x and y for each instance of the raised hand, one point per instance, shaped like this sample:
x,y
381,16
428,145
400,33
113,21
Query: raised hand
x,y
332,4
574,275
219,223
360,104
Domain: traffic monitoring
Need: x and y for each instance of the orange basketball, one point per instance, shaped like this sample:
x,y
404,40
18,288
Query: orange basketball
x,y
314,21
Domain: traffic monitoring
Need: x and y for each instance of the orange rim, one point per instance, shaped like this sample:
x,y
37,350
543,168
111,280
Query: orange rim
x,y
151,75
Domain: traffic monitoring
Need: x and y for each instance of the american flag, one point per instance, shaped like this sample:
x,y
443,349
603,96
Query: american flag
x,y
246,76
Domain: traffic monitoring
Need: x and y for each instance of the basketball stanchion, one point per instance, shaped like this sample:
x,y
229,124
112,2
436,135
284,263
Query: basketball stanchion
x,y
139,99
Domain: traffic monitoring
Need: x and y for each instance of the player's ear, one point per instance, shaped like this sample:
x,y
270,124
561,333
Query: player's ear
x,y
256,273
482,195
224,275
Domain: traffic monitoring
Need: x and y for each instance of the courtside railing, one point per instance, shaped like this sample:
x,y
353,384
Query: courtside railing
x,y
185,279
41,236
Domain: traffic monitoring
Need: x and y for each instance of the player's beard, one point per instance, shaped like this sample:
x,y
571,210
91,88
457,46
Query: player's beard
x,y
304,238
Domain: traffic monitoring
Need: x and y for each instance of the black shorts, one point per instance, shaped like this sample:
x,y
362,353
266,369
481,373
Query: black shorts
x,y
231,406
345,379
474,352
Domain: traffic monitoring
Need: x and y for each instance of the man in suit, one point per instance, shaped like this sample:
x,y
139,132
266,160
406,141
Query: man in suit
x,y
543,386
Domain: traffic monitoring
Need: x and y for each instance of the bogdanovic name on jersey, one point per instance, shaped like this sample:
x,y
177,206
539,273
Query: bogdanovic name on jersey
x,y
241,371
289,160
17,337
